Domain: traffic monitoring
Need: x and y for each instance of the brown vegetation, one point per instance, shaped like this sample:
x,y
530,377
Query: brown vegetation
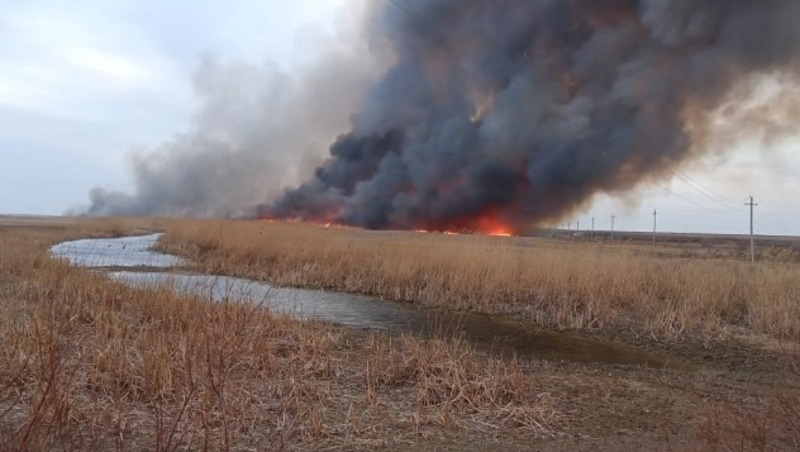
x,y
773,426
671,293
580,285
90,364
771,423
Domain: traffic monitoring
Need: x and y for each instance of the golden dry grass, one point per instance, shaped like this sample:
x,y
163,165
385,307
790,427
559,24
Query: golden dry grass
x,y
91,364
574,285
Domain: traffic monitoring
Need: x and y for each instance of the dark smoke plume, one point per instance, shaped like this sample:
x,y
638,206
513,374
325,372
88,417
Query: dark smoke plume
x,y
490,112
517,111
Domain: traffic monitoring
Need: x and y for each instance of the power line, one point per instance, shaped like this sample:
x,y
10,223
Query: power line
x,y
682,215
764,228
779,214
702,189
689,200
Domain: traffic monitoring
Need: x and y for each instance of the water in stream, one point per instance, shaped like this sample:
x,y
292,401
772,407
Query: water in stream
x,y
132,261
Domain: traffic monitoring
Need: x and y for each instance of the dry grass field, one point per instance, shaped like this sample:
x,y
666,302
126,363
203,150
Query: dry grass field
x,y
89,364
632,290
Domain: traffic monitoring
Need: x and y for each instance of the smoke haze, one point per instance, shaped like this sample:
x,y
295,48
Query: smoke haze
x,y
258,129
510,112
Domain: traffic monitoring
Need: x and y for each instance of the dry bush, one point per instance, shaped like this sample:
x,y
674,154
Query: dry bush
x,y
768,423
582,286
452,384
774,427
91,364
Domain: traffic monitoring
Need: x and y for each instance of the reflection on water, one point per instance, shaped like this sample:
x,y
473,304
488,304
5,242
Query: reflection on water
x,y
120,252
501,335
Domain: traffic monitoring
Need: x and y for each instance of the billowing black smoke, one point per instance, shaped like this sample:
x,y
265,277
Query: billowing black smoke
x,y
518,111
487,112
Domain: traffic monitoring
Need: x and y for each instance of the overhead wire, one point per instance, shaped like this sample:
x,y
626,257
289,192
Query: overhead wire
x,y
764,228
705,191
690,201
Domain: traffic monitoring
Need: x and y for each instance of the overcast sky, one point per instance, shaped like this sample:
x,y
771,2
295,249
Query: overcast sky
x,y
82,84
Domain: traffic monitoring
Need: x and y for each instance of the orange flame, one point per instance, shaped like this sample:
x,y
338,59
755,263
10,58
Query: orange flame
x,y
500,232
492,226
486,225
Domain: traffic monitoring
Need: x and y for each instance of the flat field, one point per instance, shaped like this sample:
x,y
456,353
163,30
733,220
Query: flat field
x,y
92,364
672,291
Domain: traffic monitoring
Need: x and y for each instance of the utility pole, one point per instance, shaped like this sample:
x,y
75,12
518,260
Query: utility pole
x,y
592,235
613,217
655,216
752,239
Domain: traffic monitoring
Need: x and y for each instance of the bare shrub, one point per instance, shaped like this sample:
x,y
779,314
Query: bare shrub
x,y
767,423
449,380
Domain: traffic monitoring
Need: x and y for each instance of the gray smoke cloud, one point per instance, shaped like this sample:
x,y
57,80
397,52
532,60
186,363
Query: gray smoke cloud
x,y
516,112
510,112
258,130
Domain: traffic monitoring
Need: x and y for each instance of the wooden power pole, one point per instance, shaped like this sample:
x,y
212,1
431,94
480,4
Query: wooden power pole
x,y
613,217
655,216
752,204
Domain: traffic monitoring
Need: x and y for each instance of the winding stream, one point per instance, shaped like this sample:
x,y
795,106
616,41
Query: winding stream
x,y
132,261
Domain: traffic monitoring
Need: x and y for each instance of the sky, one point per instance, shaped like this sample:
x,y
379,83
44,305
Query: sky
x,y
83,85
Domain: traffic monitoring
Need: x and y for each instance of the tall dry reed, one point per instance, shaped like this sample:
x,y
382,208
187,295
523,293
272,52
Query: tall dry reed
x,y
573,285
91,364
